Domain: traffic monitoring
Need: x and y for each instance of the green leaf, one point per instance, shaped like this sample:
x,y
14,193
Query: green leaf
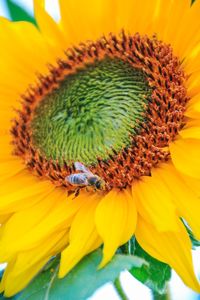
x,y
38,288
195,242
154,274
81,282
17,13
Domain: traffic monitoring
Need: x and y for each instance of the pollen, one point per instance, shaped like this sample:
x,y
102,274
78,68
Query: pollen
x,y
114,105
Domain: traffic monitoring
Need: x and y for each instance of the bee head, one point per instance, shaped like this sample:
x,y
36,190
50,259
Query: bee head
x,y
100,184
97,182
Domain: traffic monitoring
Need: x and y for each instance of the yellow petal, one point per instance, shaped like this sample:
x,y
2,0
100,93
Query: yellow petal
x,y
190,132
193,84
192,183
14,285
8,268
7,148
193,108
185,37
15,229
177,10
192,47
173,248
86,20
51,214
49,28
186,201
6,114
10,168
24,186
115,219
191,63
49,248
83,236
163,17
22,204
26,265
4,218
160,18
154,202
191,123
135,16
19,73
185,156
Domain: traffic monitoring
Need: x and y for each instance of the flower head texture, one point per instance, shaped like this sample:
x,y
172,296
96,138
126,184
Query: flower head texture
x,y
100,135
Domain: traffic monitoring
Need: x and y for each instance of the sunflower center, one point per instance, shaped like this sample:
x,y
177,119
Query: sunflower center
x,y
92,113
113,105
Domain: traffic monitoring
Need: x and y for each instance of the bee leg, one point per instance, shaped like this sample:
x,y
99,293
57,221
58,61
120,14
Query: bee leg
x,y
90,188
76,192
87,189
69,193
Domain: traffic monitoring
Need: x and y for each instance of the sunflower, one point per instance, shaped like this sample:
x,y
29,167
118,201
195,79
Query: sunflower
x,y
100,135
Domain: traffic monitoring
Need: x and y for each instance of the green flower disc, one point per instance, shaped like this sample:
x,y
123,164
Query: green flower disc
x,y
92,112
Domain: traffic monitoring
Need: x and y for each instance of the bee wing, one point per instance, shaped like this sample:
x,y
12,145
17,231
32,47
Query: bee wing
x,y
77,179
80,167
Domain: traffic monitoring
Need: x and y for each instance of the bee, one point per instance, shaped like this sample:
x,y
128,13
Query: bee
x,y
85,178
